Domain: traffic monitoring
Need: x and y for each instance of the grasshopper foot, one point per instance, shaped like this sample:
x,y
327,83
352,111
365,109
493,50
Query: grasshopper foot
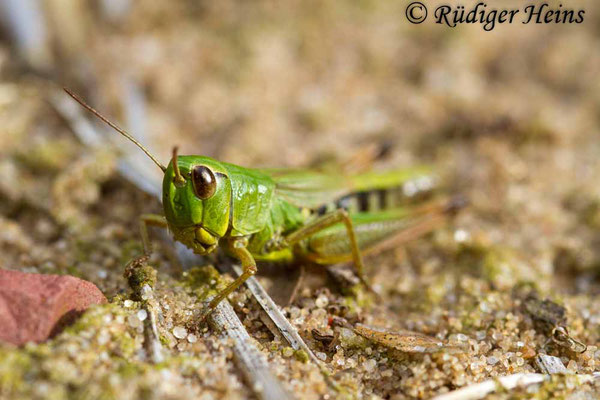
x,y
369,288
206,311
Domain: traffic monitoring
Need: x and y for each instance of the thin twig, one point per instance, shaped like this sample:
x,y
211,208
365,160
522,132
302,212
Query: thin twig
x,y
287,330
151,335
551,365
252,362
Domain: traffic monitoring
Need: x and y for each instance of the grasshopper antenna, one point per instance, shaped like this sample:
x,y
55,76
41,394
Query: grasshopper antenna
x,y
178,177
115,127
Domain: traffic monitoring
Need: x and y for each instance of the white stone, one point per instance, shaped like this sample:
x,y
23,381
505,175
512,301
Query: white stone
x,y
179,332
192,338
142,314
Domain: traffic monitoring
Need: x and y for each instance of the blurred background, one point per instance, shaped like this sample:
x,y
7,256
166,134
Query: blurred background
x,y
510,118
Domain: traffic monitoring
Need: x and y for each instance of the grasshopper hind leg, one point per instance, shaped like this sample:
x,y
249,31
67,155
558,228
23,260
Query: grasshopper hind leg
x,y
378,231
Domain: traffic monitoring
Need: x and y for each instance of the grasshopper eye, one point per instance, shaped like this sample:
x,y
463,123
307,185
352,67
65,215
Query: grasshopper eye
x,y
204,182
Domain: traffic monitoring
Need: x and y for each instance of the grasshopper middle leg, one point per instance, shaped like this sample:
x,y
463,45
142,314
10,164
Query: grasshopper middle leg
x,y
237,246
335,217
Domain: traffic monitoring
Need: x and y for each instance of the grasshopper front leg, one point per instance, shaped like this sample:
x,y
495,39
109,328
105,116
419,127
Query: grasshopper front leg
x,y
237,247
147,220
134,265
335,217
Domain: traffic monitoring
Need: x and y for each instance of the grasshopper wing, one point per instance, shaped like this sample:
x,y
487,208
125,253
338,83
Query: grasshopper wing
x,y
313,189
309,189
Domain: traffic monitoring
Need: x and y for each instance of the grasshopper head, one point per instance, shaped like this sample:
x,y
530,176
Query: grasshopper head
x,y
196,194
196,201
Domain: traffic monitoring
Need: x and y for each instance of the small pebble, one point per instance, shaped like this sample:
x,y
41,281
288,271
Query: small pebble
x,y
142,314
146,292
462,337
287,352
322,301
179,332
492,360
410,189
133,321
520,361
370,365
192,338
460,235
387,373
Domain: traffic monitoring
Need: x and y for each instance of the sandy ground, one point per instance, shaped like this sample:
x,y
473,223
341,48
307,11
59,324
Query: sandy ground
x,y
508,118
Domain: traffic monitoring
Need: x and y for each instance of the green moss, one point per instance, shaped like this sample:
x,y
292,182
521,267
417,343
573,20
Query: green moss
x,y
83,249
301,356
500,265
350,340
358,298
138,275
126,344
163,340
494,264
199,276
558,386
92,318
14,365
129,370
437,290
203,281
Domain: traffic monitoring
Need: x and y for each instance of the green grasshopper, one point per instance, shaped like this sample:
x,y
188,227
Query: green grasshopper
x,y
279,215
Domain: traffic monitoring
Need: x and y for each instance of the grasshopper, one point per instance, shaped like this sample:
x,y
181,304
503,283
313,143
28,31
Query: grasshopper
x,y
278,215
